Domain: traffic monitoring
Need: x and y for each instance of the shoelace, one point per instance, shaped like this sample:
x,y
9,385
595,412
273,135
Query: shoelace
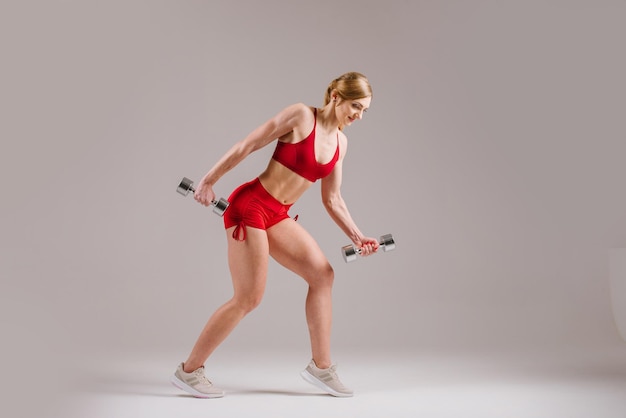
x,y
201,377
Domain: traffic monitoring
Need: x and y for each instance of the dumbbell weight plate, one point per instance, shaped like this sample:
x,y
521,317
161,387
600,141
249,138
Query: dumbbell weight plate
x,y
220,206
185,186
387,242
349,253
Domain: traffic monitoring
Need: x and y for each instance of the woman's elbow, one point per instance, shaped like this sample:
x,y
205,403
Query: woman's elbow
x,y
331,201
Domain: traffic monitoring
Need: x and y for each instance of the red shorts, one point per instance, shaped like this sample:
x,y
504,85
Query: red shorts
x,y
252,205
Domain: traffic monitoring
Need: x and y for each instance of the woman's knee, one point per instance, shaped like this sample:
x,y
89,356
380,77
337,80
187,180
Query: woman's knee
x,y
324,276
248,302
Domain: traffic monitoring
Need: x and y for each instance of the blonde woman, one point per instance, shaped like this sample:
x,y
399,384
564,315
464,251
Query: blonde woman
x,y
310,146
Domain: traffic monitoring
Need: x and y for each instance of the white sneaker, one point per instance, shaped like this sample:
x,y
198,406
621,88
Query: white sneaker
x,y
195,383
326,379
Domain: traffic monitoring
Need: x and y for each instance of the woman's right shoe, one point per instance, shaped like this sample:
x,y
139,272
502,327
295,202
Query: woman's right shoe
x,y
195,383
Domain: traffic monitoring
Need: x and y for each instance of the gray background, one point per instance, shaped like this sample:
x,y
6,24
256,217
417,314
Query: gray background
x,y
493,151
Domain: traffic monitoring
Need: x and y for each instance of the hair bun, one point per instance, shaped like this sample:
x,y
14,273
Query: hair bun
x,y
351,86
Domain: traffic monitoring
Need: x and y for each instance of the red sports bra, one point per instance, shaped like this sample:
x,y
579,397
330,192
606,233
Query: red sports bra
x,y
300,157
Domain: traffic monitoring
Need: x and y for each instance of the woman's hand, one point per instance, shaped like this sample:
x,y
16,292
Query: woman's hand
x,y
204,193
368,246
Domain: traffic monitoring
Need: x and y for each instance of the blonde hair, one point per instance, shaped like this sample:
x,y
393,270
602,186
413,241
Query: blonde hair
x,y
349,86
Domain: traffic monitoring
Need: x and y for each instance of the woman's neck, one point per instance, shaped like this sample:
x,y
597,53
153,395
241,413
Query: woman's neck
x,y
327,119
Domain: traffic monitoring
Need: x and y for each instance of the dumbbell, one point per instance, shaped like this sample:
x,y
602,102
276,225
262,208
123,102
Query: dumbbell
x,y
349,252
186,186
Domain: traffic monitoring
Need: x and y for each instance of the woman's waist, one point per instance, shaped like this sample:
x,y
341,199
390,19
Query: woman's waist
x,y
282,183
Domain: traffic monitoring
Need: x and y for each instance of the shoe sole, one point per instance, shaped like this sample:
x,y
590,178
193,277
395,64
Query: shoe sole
x,y
321,385
185,387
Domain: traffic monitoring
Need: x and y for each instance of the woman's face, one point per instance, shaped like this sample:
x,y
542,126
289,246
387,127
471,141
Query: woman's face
x,y
348,111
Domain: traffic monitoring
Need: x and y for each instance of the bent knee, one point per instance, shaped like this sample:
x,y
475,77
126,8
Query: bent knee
x,y
247,303
323,276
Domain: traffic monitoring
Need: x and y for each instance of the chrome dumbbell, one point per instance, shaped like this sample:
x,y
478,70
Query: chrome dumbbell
x,y
349,252
186,186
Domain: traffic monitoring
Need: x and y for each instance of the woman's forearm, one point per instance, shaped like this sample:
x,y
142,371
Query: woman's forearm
x,y
338,211
234,156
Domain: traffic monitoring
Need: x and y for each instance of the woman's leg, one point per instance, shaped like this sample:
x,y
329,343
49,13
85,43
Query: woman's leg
x,y
293,247
248,267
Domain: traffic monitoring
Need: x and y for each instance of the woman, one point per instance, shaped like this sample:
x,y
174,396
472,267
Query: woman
x,y
311,145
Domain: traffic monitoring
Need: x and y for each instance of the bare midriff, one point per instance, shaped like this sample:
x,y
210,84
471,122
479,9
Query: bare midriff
x,y
282,183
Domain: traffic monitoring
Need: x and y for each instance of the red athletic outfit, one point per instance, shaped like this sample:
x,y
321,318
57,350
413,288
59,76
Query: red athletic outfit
x,y
252,205
300,157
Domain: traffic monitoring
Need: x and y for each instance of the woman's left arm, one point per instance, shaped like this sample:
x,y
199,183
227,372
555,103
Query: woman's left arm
x,y
338,210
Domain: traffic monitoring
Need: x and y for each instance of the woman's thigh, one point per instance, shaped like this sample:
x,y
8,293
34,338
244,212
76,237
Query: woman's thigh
x,y
294,248
248,262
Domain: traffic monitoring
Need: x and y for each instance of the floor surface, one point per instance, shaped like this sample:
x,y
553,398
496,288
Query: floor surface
x,y
399,384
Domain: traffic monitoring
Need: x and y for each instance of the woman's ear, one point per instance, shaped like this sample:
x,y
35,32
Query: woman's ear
x,y
333,95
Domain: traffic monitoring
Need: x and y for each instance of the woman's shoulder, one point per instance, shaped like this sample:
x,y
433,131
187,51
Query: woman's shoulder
x,y
299,114
300,109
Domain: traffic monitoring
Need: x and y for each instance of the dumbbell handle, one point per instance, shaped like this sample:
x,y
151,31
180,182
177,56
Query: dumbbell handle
x,y
358,250
193,190
381,242
186,186
349,252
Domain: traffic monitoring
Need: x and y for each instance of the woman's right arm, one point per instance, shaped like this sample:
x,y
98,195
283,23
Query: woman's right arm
x,y
282,123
